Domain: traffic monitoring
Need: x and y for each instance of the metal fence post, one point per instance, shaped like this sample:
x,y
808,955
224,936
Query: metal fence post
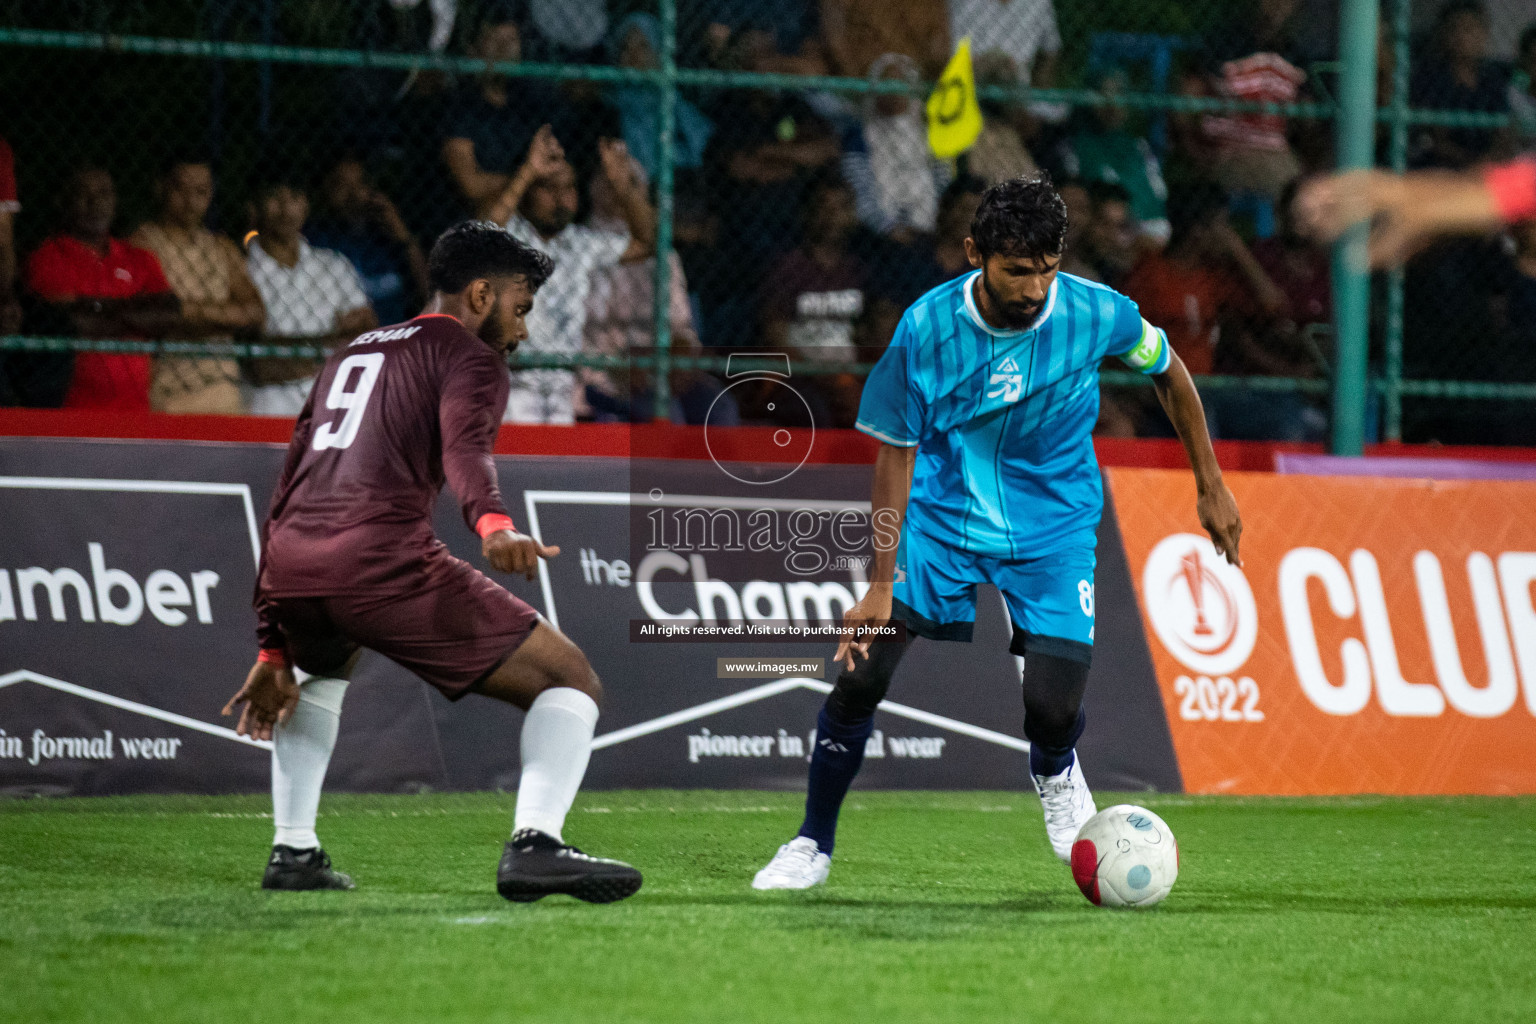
x,y
1351,284
1392,395
666,123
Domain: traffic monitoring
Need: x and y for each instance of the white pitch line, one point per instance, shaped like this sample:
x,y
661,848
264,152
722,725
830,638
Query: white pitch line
x,y
25,676
1002,739
735,700
773,689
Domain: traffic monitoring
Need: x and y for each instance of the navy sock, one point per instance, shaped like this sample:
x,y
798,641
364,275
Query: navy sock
x,y
834,762
1052,761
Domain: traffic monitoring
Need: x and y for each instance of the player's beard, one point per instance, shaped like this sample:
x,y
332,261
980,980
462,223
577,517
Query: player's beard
x,y
491,331
1016,315
551,226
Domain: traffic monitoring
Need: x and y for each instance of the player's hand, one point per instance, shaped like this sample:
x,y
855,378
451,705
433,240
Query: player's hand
x,y
872,612
387,215
1218,514
1329,205
270,694
544,154
617,167
1404,211
515,553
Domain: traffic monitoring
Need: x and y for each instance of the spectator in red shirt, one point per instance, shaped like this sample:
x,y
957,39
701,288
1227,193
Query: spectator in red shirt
x,y
1225,314
1288,341
10,310
102,287
1299,267
1207,280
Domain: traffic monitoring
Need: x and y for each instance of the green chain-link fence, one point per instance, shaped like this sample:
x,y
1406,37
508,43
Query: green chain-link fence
x,y
777,149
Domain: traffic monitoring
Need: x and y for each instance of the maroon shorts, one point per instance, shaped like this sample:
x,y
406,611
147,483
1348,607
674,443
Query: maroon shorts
x,y
453,627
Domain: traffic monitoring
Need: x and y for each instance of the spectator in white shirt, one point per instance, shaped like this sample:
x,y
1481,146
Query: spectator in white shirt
x,y
1024,32
312,296
538,208
621,321
896,180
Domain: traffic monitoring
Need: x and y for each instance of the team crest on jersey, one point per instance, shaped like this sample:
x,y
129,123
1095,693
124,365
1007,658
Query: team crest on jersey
x,y
1007,382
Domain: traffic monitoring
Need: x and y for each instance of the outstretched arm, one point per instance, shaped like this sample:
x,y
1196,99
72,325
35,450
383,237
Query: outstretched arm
x,y
887,510
544,158
1216,506
639,216
1408,211
478,186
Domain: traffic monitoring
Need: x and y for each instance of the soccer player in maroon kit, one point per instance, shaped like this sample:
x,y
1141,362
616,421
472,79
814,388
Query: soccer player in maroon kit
x,y
349,560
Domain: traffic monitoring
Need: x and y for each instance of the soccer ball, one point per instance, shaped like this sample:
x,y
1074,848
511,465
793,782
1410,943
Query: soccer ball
x,y
1125,856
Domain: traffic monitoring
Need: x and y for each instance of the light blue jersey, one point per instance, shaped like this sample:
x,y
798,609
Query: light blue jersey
x,y
1004,419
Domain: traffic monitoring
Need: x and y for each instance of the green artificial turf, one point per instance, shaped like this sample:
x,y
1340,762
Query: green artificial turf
x,y
941,907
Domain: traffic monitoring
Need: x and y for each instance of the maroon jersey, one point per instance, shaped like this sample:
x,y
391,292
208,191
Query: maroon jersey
x,y
391,417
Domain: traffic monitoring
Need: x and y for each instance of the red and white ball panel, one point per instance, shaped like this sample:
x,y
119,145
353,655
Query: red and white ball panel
x,y
1125,856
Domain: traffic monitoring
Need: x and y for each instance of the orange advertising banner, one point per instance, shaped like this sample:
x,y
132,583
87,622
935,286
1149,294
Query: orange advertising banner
x,y
1380,636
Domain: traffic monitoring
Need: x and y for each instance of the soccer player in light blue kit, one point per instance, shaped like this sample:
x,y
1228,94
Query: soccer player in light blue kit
x,y
984,405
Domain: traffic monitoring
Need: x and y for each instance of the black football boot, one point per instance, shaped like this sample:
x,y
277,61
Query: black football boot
x,y
535,865
296,870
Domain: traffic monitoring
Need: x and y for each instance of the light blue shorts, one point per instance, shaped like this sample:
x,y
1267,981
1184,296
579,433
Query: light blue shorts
x,y
1050,599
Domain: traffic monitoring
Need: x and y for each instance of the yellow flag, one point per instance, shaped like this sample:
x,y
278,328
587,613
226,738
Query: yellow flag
x,y
954,116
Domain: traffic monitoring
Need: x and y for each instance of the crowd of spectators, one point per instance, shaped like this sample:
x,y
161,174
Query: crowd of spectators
x,y
804,222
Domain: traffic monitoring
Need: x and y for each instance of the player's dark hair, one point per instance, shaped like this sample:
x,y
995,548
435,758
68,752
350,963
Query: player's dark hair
x,y
79,169
473,249
343,154
172,159
1193,205
270,179
1108,192
1456,8
501,12
64,191
819,185
1022,217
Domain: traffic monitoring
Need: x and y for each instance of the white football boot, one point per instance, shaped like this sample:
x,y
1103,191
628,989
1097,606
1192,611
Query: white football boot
x,y
799,864
1067,804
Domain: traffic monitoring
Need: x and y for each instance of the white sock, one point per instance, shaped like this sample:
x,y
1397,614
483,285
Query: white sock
x,y
557,741
301,751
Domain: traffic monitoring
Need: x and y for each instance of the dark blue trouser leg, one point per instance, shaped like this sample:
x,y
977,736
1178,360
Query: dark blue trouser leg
x,y
845,723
